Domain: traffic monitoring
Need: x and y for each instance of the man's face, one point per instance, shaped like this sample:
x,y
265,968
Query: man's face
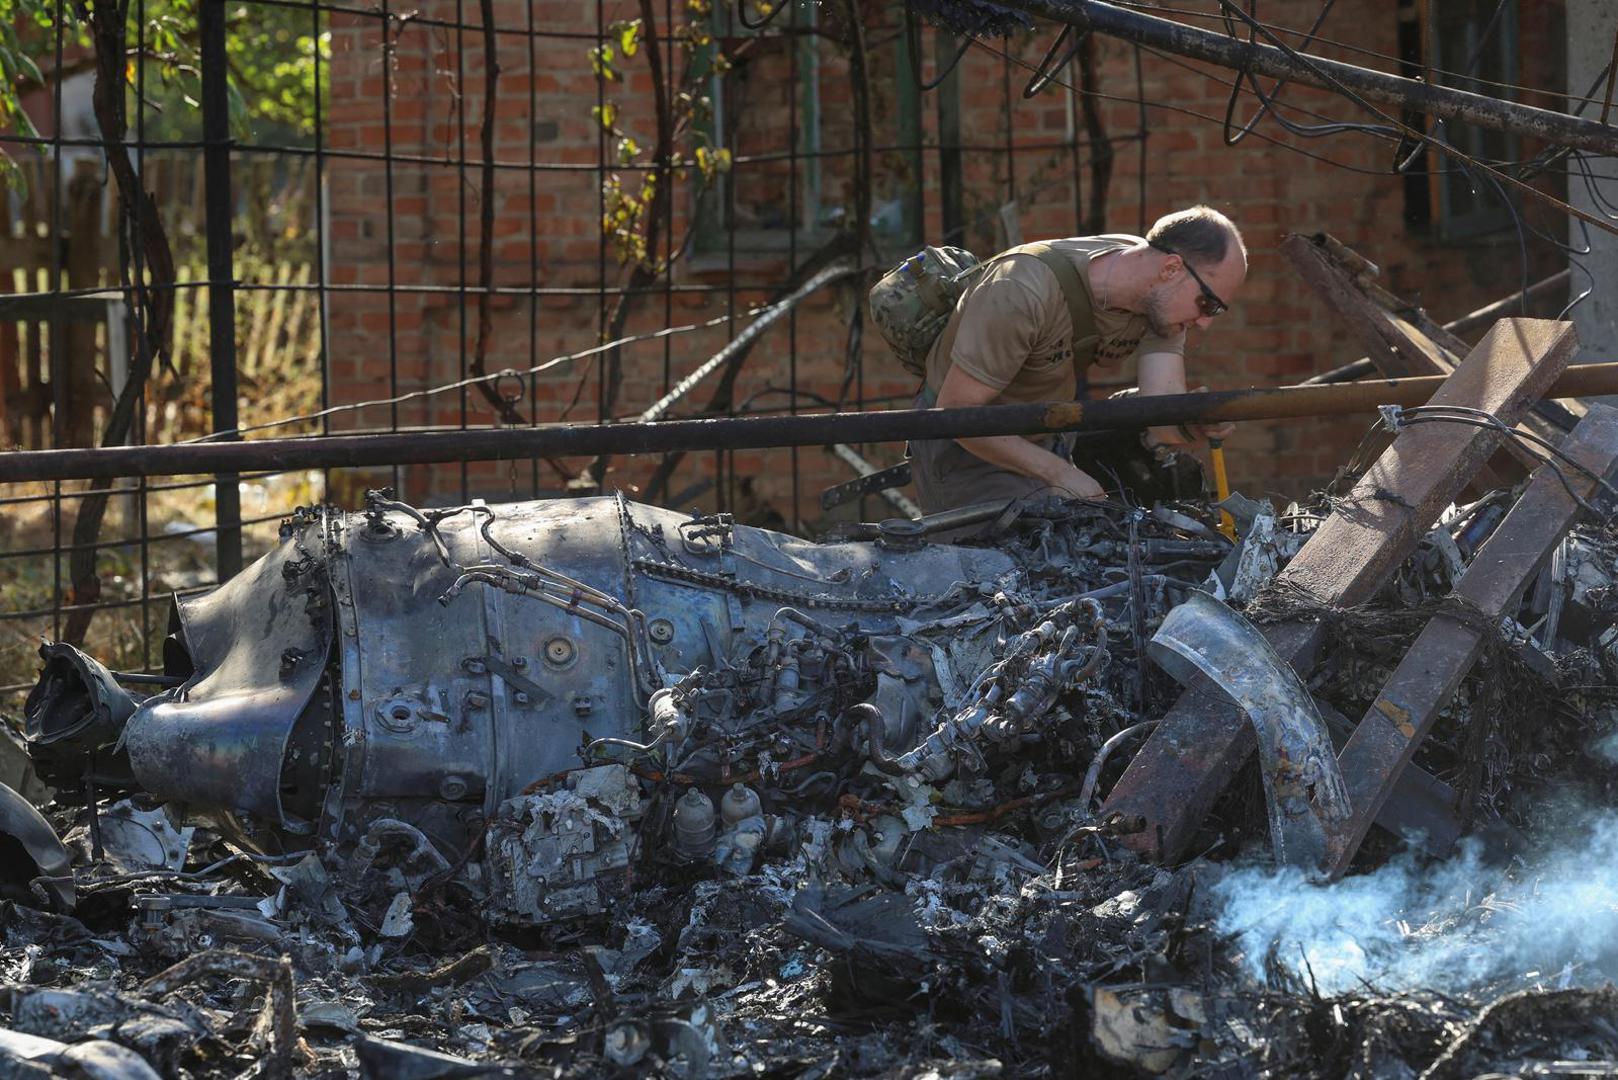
x,y
1178,302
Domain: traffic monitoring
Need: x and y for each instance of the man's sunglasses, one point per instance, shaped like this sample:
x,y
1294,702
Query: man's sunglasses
x,y
1208,301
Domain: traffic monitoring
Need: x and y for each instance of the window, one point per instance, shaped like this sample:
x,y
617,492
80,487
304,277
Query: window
x,y
789,94
1466,45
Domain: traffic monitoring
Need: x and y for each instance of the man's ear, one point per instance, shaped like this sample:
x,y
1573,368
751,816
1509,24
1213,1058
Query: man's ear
x,y
1170,268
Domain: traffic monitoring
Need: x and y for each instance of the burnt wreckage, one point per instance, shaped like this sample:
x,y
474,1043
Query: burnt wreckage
x,y
576,681
587,785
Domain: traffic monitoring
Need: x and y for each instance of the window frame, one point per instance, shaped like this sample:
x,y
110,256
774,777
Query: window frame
x,y
711,244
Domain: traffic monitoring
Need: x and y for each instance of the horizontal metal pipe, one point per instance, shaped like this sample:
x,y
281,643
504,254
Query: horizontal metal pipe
x,y
1439,102
1509,305
839,269
739,433
1358,369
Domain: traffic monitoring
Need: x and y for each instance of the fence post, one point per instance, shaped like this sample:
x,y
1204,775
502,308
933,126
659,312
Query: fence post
x,y
77,364
221,273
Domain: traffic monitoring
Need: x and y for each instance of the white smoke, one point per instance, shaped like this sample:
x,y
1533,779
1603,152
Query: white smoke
x,y
1607,747
1450,926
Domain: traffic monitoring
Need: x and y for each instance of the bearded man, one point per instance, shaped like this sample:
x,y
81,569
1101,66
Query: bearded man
x,y
1013,338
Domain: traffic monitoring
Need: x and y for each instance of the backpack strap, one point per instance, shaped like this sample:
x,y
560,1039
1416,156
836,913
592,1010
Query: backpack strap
x,y
1075,290
1081,307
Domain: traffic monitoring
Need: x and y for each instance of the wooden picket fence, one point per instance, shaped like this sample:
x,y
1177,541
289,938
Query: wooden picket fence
x,y
277,350
60,396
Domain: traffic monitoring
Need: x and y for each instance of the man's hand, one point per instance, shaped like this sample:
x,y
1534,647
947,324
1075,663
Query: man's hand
x,y
1221,431
1074,482
1188,435
1013,452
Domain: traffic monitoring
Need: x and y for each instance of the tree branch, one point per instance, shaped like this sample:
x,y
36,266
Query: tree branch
x,y
491,79
151,300
646,270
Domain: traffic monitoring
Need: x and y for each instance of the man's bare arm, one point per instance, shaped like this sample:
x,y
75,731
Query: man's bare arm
x,y
1164,373
1012,452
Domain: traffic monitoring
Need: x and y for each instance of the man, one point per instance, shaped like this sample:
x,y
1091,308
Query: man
x,y
1012,339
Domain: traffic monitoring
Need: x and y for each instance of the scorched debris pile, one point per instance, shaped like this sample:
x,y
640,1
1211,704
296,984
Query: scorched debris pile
x,y
590,788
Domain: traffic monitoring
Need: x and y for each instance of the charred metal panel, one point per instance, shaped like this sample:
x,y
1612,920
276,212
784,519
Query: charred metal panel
x,y
1304,790
258,644
465,692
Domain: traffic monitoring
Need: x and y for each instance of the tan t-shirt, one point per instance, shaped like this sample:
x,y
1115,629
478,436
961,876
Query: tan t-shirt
x,y
1012,329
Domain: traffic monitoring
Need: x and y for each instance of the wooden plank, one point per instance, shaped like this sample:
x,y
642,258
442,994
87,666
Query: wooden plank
x,y
259,303
179,354
1393,345
10,355
263,356
198,331
1393,727
1420,804
38,393
1389,347
1404,491
1549,419
26,253
1203,740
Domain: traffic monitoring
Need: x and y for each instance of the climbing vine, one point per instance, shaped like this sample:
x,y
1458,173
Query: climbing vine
x,y
685,145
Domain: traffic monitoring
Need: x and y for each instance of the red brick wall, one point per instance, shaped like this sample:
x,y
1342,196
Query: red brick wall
x,y
548,235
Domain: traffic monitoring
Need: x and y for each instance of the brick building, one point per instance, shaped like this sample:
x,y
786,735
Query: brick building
x,y
972,162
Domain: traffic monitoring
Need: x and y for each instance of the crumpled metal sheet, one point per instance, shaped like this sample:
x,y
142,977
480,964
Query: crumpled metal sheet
x,y
21,1055
258,645
76,709
20,820
1303,787
133,839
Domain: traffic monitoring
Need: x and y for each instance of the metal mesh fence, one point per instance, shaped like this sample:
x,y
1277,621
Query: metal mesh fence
x,y
269,217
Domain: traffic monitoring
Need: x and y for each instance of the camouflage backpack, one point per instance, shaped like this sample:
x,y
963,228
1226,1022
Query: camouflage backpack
x,y
912,303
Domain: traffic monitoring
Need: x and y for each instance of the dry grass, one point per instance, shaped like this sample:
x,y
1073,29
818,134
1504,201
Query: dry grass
x,y
136,584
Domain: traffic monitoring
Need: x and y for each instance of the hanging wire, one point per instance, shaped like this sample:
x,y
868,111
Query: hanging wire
x,y
491,377
1467,76
913,38
1145,103
1046,70
741,14
1265,104
1470,166
1482,418
1444,147
1556,96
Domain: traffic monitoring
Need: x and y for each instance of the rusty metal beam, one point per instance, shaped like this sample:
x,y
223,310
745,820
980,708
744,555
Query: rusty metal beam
x,y
1420,345
1395,353
1202,741
1393,727
1475,320
740,433
1420,804
1338,276
1439,102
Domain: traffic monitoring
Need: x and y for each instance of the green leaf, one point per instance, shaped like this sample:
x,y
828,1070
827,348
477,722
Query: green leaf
x,y
601,58
25,125
241,117
10,175
629,37
26,66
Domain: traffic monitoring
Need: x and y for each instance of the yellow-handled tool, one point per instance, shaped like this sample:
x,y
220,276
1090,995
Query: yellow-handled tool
x,y
1216,453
